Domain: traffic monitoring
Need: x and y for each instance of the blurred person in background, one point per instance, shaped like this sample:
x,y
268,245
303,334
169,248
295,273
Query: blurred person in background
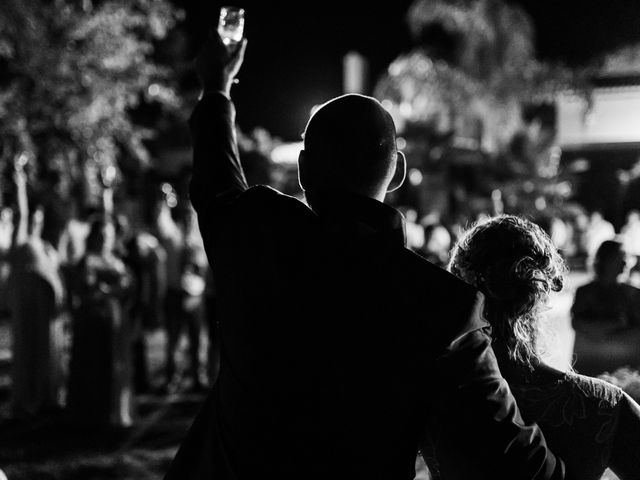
x,y
6,229
630,236
597,231
145,258
555,227
255,156
74,238
437,243
608,299
100,373
185,287
36,294
589,423
6,239
606,313
415,231
193,284
559,233
570,244
581,227
171,237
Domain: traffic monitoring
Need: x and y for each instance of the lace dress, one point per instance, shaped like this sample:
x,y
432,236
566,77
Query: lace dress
x,y
590,424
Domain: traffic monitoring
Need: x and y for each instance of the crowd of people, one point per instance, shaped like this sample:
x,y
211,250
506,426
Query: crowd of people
x,y
84,293
577,235
84,289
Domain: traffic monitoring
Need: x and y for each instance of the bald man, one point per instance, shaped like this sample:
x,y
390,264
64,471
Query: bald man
x,y
342,352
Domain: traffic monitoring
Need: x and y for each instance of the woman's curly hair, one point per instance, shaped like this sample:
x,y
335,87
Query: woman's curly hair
x,y
515,264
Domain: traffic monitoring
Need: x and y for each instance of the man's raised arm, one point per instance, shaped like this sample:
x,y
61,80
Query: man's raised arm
x,y
217,176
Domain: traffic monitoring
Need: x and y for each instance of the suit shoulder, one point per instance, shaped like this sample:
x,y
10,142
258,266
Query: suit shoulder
x,y
437,277
267,207
266,197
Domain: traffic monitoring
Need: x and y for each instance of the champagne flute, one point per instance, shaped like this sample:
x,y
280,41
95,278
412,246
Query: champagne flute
x,y
231,25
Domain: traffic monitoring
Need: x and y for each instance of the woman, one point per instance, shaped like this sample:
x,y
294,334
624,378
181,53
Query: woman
x,y
587,422
100,371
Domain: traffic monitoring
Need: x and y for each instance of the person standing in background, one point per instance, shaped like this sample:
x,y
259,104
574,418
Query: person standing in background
x,y
193,286
100,374
630,236
598,230
36,294
185,287
606,313
171,238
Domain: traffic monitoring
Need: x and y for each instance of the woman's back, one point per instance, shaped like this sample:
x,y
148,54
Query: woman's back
x,y
589,423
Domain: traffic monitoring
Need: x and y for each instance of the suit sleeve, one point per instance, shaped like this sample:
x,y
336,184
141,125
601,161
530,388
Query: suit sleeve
x,y
476,425
217,178
625,452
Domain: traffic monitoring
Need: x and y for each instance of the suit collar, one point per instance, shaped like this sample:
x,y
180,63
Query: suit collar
x,y
363,216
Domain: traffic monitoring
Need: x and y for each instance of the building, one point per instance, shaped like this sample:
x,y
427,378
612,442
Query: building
x,y
600,138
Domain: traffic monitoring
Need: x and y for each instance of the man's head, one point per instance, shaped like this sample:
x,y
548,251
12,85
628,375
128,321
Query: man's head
x,y
349,144
611,261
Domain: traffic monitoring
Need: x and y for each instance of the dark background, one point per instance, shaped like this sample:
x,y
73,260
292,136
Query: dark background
x,y
294,56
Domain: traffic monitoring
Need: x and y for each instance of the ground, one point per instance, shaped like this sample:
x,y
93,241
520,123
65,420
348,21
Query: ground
x,y
49,449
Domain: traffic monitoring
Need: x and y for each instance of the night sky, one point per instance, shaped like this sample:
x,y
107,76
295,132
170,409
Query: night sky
x,y
294,56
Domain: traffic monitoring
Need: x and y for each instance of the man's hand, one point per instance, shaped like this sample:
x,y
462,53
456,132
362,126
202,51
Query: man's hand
x,y
217,65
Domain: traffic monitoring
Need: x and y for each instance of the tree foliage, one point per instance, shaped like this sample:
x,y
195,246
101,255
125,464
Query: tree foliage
x,y
474,60
70,74
463,99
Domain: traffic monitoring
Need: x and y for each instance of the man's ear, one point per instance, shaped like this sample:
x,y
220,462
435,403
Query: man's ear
x,y
303,173
399,173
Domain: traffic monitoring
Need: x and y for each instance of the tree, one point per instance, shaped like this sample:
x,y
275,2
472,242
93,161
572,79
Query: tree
x,y
465,85
473,59
71,73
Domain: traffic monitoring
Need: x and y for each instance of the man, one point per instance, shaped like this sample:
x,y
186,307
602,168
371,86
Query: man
x,y
342,352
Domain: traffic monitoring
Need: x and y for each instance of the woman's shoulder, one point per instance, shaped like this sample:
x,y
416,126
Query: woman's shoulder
x,y
564,398
604,393
579,416
590,388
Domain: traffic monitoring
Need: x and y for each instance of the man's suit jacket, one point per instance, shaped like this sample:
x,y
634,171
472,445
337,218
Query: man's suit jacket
x,y
341,350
